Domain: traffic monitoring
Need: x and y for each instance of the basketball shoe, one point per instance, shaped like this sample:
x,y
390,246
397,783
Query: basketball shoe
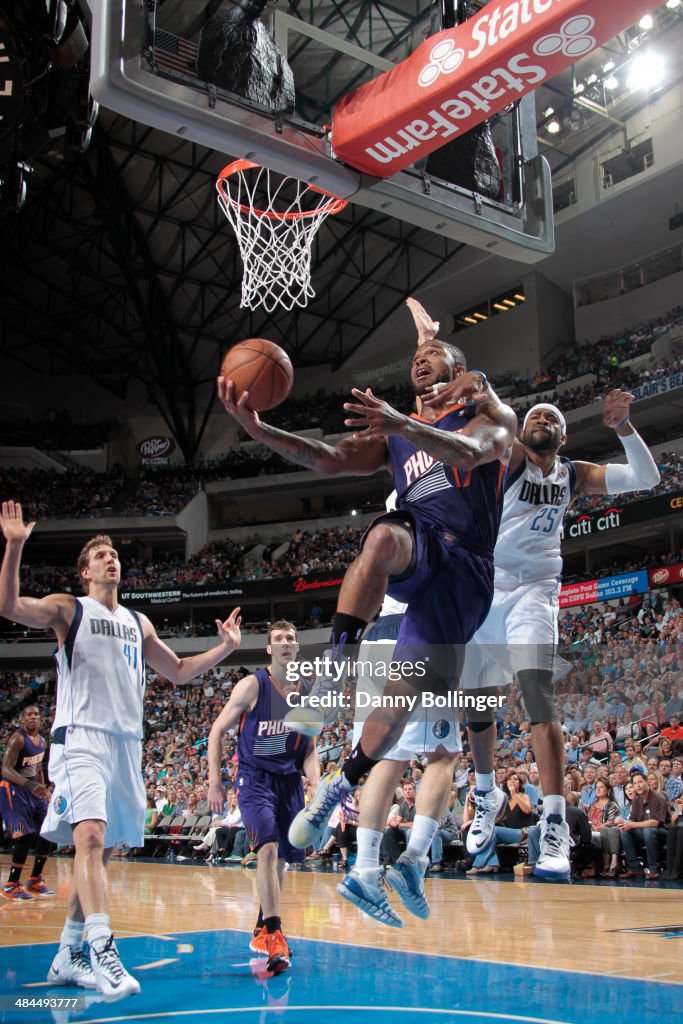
x,y
489,808
113,980
36,886
312,720
364,887
258,941
407,877
71,967
277,952
553,857
15,891
308,826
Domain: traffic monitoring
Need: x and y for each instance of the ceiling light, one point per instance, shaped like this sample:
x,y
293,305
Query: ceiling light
x,y
520,297
553,127
498,305
509,302
548,111
579,88
609,66
480,316
469,320
646,72
673,4
612,82
592,79
646,22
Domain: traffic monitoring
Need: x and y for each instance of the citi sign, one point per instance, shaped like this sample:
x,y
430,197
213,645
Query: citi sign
x,y
583,526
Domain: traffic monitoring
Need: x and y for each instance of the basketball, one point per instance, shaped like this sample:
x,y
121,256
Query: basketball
x,y
263,369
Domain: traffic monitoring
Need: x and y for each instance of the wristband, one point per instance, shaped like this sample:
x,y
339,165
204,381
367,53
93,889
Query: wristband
x,y
623,422
485,380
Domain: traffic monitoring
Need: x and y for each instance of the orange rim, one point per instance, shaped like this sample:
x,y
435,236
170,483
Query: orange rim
x,y
335,205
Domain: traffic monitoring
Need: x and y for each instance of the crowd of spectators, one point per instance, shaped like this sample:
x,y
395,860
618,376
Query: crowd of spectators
x,y
620,708
162,492
57,432
76,493
671,472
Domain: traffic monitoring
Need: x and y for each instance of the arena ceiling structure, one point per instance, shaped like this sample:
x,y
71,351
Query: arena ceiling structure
x,y
119,264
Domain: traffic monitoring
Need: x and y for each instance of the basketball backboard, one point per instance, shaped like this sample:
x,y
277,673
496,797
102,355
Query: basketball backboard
x,y
143,65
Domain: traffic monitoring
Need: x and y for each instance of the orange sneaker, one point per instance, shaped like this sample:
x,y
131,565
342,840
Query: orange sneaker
x,y
36,886
15,891
277,951
258,941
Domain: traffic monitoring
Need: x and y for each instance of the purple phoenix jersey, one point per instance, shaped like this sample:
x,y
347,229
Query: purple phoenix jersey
x,y
21,811
264,741
467,505
270,760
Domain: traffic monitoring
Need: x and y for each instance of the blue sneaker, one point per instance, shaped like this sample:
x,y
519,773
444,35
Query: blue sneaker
x,y
365,889
308,826
406,876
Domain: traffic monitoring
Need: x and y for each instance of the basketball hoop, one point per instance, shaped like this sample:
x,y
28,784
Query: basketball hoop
x,y
275,244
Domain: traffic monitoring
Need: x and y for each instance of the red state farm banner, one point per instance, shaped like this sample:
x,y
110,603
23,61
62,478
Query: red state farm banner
x,y
464,75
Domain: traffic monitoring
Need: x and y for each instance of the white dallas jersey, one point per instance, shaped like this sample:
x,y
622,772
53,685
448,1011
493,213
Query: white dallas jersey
x,y
528,545
100,670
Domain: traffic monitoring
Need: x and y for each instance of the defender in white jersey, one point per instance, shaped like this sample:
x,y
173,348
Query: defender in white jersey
x,y
519,635
95,757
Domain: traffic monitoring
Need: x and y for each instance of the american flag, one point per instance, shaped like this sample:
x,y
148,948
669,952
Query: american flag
x,y
171,53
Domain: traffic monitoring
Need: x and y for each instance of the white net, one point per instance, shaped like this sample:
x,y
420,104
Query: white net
x,y
275,219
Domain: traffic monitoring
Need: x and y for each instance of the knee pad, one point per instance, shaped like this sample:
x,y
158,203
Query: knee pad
x,y
539,695
480,718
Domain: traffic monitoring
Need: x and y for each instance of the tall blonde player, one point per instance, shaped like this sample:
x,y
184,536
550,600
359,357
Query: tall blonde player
x,y
95,758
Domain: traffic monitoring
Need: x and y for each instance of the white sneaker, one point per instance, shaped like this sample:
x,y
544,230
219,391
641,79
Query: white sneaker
x,y
310,721
553,858
71,967
365,889
113,980
407,877
489,808
308,826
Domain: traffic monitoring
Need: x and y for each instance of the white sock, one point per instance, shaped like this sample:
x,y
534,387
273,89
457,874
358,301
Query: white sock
x,y
72,934
98,928
554,805
484,782
421,835
369,841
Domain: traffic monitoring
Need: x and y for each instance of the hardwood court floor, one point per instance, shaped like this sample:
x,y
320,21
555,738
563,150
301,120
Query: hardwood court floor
x,y
479,929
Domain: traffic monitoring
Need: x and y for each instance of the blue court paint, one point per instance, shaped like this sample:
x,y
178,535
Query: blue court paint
x,y
220,981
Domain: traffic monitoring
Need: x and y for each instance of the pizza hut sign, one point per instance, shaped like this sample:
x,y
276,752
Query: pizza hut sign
x,y
156,448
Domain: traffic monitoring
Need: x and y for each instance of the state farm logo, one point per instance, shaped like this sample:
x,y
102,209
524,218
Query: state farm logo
x,y
156,447
444,59
573,39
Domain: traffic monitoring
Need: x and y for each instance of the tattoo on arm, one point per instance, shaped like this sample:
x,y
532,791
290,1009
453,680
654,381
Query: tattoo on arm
x,y
299,450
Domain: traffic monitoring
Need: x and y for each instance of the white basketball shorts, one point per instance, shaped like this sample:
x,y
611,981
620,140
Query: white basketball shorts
x,y
97,777
429,728
520,632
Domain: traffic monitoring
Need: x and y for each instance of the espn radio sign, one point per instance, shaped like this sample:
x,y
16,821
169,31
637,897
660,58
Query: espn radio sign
x,y
461,77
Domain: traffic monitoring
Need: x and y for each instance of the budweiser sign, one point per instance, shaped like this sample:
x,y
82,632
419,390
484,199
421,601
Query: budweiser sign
x,y
301,585
464,75
156,447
